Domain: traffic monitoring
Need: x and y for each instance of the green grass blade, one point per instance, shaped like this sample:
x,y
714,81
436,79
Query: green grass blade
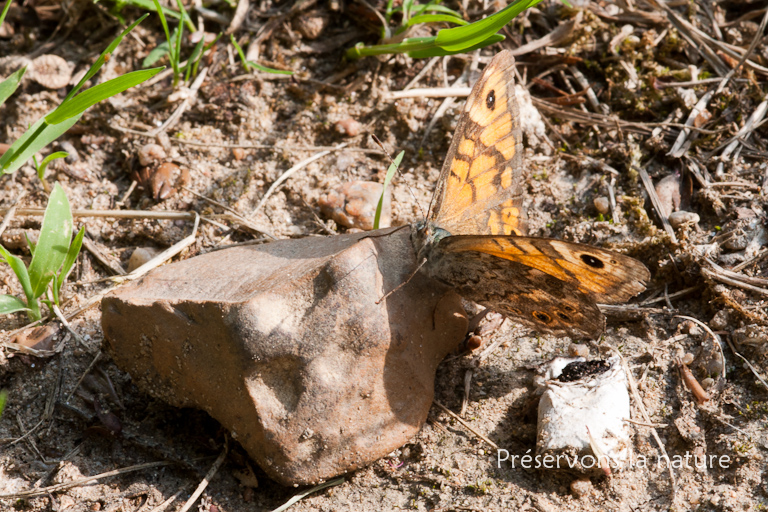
x,y
10,304
247,64
102,58
80,103
23,276
53,243
6,8
69,262
436,51
460,38
34,139
435,18
157,53
9,85
388,178
149,5
441,8
411,44
44,165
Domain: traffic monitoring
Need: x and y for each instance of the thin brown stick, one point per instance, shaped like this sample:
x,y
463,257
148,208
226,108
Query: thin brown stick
x,y
207,479
32,493
465,424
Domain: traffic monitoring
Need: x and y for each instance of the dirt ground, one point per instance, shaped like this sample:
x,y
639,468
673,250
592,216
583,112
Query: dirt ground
x,y
647,66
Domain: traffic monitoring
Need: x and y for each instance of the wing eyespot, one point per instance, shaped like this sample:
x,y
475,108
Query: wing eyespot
x,y
490,100
563,316
592,261
569,309
542,317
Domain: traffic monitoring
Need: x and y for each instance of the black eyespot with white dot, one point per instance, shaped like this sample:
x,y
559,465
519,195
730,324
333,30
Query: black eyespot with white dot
x,y
490,100
592,261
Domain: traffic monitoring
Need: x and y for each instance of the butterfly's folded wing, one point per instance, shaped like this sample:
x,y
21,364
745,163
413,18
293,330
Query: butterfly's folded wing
x,y
548,284
479,190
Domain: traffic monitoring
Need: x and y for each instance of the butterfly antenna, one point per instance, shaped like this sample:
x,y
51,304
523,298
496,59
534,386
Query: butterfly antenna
x,y
403,283
397,168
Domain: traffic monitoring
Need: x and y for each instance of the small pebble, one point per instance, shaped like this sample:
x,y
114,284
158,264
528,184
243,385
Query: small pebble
x,y
348,127
687,358
682,218
311,24
238,153
668,190
140,256
354,203
577,350
602,204
50,71
707,383
151,153
581,487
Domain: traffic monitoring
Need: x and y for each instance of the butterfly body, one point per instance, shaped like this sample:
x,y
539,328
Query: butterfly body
x,y
474,238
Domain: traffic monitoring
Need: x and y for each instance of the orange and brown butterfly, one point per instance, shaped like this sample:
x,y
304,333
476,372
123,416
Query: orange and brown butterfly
x,y
474,238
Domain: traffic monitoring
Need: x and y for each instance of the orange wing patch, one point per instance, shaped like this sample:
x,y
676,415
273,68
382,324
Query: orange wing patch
x,y
479,191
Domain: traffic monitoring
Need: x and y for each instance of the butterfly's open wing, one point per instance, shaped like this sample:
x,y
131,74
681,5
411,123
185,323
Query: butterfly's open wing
x,y
479,190
548,284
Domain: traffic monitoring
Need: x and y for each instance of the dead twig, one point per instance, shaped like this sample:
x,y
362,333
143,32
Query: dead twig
x,y
465,424
656,202
43,491
207,479
287,174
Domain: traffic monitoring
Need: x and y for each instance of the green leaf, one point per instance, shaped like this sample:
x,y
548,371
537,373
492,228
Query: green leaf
x,y
23,276
80,103
461,38
390,174
10,304
34,139
44,164
53,243
5,11
157,53
9,85
440,52
69,261
106,54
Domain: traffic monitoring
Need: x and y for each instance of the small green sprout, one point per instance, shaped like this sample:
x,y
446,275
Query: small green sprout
x,y
449,41
53,257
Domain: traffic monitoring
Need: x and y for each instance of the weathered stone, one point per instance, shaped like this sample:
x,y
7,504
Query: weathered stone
x,y
284,344
354,203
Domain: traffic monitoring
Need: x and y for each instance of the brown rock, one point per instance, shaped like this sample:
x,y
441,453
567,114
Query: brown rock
x,y
353,205
284,344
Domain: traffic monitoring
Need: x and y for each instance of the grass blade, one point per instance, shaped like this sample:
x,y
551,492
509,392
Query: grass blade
x,y
390,174
10,304
460,38
53,243
434,18
103,58
5,11
80,103
9,85
436,51
69,262
23,276
36,138
44,164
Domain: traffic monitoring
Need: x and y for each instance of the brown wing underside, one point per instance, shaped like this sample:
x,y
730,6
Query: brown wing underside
x,y
549,285
480,185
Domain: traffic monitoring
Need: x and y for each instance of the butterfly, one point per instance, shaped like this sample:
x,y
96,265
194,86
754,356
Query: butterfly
x,y
474,237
